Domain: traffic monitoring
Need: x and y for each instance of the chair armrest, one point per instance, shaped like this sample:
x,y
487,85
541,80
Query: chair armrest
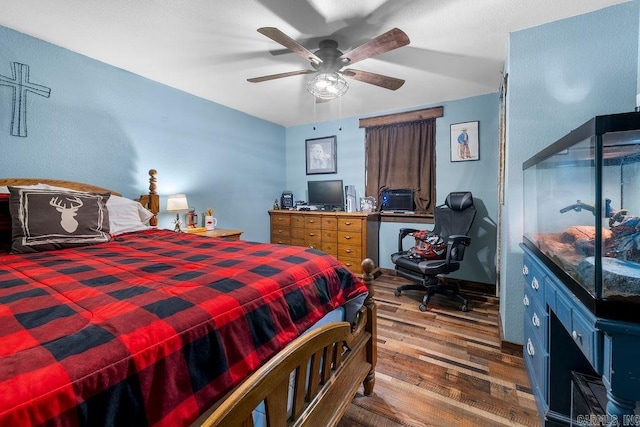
x,y
404,232
455,247
457,239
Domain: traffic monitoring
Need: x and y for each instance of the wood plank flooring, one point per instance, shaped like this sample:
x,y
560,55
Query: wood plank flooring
x,y
443,367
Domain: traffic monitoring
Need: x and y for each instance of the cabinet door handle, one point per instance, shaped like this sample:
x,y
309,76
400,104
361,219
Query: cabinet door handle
x,y
525,270
525,301
534,284
576,337
535,320
530,348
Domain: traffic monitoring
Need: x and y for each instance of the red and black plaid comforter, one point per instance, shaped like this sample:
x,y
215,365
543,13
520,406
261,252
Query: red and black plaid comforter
x,y
152,327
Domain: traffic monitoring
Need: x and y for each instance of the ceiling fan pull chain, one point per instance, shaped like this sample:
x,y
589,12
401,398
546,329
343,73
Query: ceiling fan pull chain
x,y
340,115
314,113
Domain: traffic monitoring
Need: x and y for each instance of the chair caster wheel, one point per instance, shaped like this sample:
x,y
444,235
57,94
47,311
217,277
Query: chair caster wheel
x,y
464,308
422,307
397,292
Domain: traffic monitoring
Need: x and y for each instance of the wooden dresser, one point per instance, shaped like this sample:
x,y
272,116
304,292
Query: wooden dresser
x,y
350,237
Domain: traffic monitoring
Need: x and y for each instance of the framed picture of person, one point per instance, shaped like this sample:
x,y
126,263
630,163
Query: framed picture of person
x,y
321,155
465,141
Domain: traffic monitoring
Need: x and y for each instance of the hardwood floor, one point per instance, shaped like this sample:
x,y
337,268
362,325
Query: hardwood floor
x,y
443,367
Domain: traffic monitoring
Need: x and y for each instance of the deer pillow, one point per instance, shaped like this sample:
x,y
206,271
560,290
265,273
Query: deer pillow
x,y
48,219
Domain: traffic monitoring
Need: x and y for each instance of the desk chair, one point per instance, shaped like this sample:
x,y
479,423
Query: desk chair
x,y
453,221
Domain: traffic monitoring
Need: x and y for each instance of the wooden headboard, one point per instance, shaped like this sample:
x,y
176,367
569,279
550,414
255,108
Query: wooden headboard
x,y
150,201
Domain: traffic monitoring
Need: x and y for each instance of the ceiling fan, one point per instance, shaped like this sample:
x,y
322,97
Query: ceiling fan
x,y
328,62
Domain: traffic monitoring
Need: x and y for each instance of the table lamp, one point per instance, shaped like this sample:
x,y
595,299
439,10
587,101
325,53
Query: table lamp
x,y
177,203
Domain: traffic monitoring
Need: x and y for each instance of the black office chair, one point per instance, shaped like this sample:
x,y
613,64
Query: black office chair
x,y
453,221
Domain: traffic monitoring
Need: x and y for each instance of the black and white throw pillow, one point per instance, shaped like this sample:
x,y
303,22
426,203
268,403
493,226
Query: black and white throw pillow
x,y
44,219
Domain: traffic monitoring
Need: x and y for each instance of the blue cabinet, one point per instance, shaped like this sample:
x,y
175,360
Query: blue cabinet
x,y
561,335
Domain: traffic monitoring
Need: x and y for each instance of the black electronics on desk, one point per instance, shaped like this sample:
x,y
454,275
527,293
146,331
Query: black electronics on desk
x,y
397,200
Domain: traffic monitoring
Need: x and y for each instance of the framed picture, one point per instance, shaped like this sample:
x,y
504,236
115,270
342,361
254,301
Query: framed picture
x,y
465,142
368,204
321,155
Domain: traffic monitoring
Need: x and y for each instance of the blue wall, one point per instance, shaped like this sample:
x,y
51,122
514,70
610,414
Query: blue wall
x,y
105,126
560,75
479,177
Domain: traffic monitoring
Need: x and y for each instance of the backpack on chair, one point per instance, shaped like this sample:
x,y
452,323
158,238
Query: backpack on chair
x,y
428,245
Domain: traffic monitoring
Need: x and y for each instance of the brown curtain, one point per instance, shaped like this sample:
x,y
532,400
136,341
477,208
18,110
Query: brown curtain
x,y
402,156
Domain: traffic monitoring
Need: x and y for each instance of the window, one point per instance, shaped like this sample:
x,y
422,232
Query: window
x,y
400,153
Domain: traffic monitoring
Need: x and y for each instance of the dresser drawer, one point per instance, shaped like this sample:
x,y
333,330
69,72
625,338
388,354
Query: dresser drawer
x,y
534,278
297,233
280,235
312,223
297,221
350,224
581,329
536,317
350,251
536,362
329,223
280,221
352,264
313,239
330,247
280,240
330,236
350,238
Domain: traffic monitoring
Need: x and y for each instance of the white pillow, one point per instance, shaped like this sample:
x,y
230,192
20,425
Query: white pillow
x,y
5,189
126,215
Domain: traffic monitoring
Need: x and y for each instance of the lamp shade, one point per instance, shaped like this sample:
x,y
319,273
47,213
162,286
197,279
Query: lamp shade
x,y
177,203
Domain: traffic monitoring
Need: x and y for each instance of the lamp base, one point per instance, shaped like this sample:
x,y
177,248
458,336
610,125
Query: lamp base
x,y
178,226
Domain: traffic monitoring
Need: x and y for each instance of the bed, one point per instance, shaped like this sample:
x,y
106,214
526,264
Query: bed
x,y
153,327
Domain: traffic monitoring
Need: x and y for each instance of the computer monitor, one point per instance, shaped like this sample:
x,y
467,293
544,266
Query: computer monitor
x,y
328,194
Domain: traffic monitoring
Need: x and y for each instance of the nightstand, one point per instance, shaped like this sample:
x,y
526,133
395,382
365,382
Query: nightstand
x,y
216,232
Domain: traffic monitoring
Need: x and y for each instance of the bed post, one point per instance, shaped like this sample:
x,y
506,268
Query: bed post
x,y
368,266
151,201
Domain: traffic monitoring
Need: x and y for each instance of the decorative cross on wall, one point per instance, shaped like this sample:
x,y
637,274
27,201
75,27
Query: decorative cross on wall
x,y
21,86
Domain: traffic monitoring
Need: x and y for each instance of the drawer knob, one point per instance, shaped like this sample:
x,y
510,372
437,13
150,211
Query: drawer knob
x,y
531,350
576,337
525,301
312,234
535,320
525,270
348,251
348,237
534,284
348,223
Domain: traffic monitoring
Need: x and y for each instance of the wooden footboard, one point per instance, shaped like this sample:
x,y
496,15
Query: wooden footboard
x,y
326,367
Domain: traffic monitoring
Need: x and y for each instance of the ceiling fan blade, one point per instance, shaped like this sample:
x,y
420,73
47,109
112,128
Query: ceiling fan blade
x,y
390,40
279,37
279,76
386,82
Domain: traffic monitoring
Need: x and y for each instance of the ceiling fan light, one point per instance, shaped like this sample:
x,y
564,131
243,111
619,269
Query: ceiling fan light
x,y
327,86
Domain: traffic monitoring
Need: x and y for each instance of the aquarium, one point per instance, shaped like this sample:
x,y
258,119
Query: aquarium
x,y
582,212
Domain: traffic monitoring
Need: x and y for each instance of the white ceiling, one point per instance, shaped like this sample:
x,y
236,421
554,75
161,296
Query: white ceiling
x,y
210,47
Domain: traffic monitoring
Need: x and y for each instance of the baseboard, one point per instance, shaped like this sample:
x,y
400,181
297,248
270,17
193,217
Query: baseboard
x,y
508,347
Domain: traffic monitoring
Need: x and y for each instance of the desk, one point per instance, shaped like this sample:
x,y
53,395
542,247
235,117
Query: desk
x,y
561,335
216,232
